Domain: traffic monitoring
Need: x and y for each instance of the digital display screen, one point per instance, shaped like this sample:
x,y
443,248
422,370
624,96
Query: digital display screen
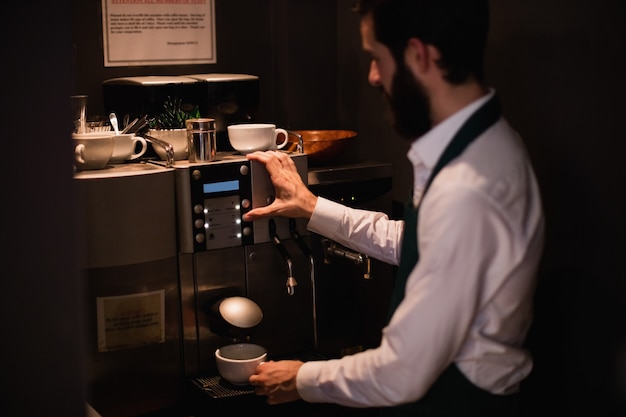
x,y
220,187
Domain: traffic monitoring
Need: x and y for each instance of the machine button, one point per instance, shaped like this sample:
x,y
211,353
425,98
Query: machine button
x,y
200,238
199,223
245,203
247,231
269,199
244,170
196,174
198,208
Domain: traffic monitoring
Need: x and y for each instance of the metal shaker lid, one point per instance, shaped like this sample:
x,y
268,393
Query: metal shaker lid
x,y
200,124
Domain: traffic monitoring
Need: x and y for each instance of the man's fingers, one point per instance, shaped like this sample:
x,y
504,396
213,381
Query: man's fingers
x,y
255,214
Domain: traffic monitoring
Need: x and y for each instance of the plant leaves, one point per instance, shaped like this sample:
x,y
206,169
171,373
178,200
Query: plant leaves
x,y
173,115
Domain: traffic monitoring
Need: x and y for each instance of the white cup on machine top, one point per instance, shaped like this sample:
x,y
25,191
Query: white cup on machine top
x,y
247,138
92,151
127,147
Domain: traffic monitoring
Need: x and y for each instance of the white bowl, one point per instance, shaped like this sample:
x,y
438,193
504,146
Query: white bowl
x,y
237,362
176,137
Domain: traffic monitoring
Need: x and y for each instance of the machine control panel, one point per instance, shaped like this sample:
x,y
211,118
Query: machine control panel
x,y
213,197
220,194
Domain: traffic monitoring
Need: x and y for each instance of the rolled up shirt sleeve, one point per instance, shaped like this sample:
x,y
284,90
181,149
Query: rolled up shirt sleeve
x,y
368,232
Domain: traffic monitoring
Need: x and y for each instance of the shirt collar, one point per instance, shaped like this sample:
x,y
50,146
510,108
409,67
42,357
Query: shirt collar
x,y
428,148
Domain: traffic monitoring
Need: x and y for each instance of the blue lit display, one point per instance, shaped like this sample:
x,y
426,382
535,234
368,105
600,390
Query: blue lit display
x,y
220,187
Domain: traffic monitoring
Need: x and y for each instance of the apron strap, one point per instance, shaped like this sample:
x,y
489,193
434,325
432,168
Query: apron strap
x,y
481,120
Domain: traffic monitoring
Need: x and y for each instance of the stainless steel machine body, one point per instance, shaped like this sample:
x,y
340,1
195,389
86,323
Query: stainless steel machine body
x,y
220,254
127,219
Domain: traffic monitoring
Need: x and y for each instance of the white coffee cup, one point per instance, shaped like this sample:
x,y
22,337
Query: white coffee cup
x,y
175,137
237,362
251,137
92,151
125,147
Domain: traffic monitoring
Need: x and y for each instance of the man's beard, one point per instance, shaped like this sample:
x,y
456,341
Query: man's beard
x,y
409,104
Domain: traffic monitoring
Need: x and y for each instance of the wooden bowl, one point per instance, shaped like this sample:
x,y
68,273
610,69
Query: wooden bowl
x,y
321,146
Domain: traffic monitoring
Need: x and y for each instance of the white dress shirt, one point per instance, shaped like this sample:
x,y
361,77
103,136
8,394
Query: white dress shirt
x,y
469,298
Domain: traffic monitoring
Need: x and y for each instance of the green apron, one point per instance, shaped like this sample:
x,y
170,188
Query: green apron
x,y
452,394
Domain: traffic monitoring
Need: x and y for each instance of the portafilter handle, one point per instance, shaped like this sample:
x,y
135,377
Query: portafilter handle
x,y
332,249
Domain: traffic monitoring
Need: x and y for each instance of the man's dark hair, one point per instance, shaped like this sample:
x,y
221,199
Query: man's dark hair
x,y
457,28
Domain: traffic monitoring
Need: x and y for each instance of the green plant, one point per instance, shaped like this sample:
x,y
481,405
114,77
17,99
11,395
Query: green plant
x,y
174,115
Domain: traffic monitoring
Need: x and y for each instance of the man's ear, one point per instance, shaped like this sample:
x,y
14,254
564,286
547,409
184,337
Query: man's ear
x,y
420,57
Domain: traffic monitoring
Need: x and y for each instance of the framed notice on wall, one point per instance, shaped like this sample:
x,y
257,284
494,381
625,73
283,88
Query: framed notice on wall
x,y
158,32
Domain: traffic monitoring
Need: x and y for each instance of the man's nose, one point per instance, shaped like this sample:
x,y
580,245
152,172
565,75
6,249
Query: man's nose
x,y
374,75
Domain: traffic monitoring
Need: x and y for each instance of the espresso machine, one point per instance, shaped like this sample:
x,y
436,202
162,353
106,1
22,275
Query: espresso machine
x,y
165,245
221,256
318,300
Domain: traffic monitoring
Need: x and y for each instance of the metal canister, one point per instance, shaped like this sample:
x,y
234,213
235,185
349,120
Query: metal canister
x,y
201,139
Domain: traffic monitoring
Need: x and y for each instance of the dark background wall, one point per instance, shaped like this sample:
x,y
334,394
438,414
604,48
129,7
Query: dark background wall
x,y
41,354
282,42
558,66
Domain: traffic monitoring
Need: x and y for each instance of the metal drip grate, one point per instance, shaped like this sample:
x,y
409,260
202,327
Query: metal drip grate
x,y
217,387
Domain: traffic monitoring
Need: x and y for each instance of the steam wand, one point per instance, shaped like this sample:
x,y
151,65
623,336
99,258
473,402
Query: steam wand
x,y
291,281
303,246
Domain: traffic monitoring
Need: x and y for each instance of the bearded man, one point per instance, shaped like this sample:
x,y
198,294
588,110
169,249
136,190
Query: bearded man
x,y
467,249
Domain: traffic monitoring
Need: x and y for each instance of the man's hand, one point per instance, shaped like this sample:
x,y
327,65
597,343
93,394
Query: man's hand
x,y
276,380
293,198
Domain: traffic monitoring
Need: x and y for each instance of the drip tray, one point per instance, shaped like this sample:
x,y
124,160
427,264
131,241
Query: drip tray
x,y
214,386
218,387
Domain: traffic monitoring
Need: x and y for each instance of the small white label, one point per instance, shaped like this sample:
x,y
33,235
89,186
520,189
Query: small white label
x,y
129,321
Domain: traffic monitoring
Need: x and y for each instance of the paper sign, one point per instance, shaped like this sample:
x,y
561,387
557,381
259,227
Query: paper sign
x,y
132,320
158,32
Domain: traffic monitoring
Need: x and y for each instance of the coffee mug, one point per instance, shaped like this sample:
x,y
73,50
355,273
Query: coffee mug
x,y
125,147
237,362
92,151
247,138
